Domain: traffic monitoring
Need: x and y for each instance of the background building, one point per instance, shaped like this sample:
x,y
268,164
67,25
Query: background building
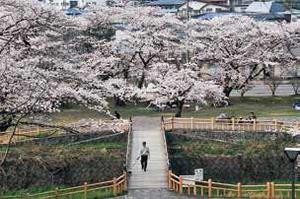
x,y
66,4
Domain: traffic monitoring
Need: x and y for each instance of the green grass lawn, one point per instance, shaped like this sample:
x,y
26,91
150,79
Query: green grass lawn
x,y
273,107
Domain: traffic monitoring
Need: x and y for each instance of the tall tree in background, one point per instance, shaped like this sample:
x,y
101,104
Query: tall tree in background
x,y
145,38
242,49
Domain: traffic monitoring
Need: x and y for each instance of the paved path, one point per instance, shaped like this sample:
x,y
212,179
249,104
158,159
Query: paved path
x,y
148,129
153,194
261,89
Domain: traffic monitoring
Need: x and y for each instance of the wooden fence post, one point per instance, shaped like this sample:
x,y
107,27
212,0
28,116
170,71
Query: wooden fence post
x,y
232,124
125,181
268,190
195,190
254,125
272,189
276,123
192,123
57,193
115,186
189,190
172,123
209,187
239,190
212,123
169,179
180,184
85,190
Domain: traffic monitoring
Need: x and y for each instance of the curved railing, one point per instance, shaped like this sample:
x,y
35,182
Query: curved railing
x,y
129,145
32,132
233,124
109,188
210,189
162,129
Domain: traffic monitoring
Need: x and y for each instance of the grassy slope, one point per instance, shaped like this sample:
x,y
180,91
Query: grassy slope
x,y
243,147
99,194
109,149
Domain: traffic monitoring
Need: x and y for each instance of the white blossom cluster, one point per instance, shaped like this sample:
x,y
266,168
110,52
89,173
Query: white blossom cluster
x,y
47,59
243,49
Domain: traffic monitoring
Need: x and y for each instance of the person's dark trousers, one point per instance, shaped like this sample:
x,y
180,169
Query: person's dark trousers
x,y
144,160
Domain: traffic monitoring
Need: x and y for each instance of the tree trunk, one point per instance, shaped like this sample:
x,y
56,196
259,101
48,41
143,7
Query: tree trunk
x,y
179,104
5,123
227,91
141,81
118,101
273,92
242,93
273,87
296,86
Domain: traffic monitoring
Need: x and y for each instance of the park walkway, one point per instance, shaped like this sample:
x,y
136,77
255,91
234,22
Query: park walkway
x,y
148,129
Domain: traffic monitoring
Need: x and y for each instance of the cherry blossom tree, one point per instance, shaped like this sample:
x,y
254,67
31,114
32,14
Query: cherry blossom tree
x,y
40,67
136,57
121,89
242,49
170,84
147,37
42,62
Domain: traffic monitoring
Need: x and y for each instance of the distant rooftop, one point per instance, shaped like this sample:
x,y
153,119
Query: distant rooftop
x,y
265,7
256,16
195,5
166,2
208,16
73,11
